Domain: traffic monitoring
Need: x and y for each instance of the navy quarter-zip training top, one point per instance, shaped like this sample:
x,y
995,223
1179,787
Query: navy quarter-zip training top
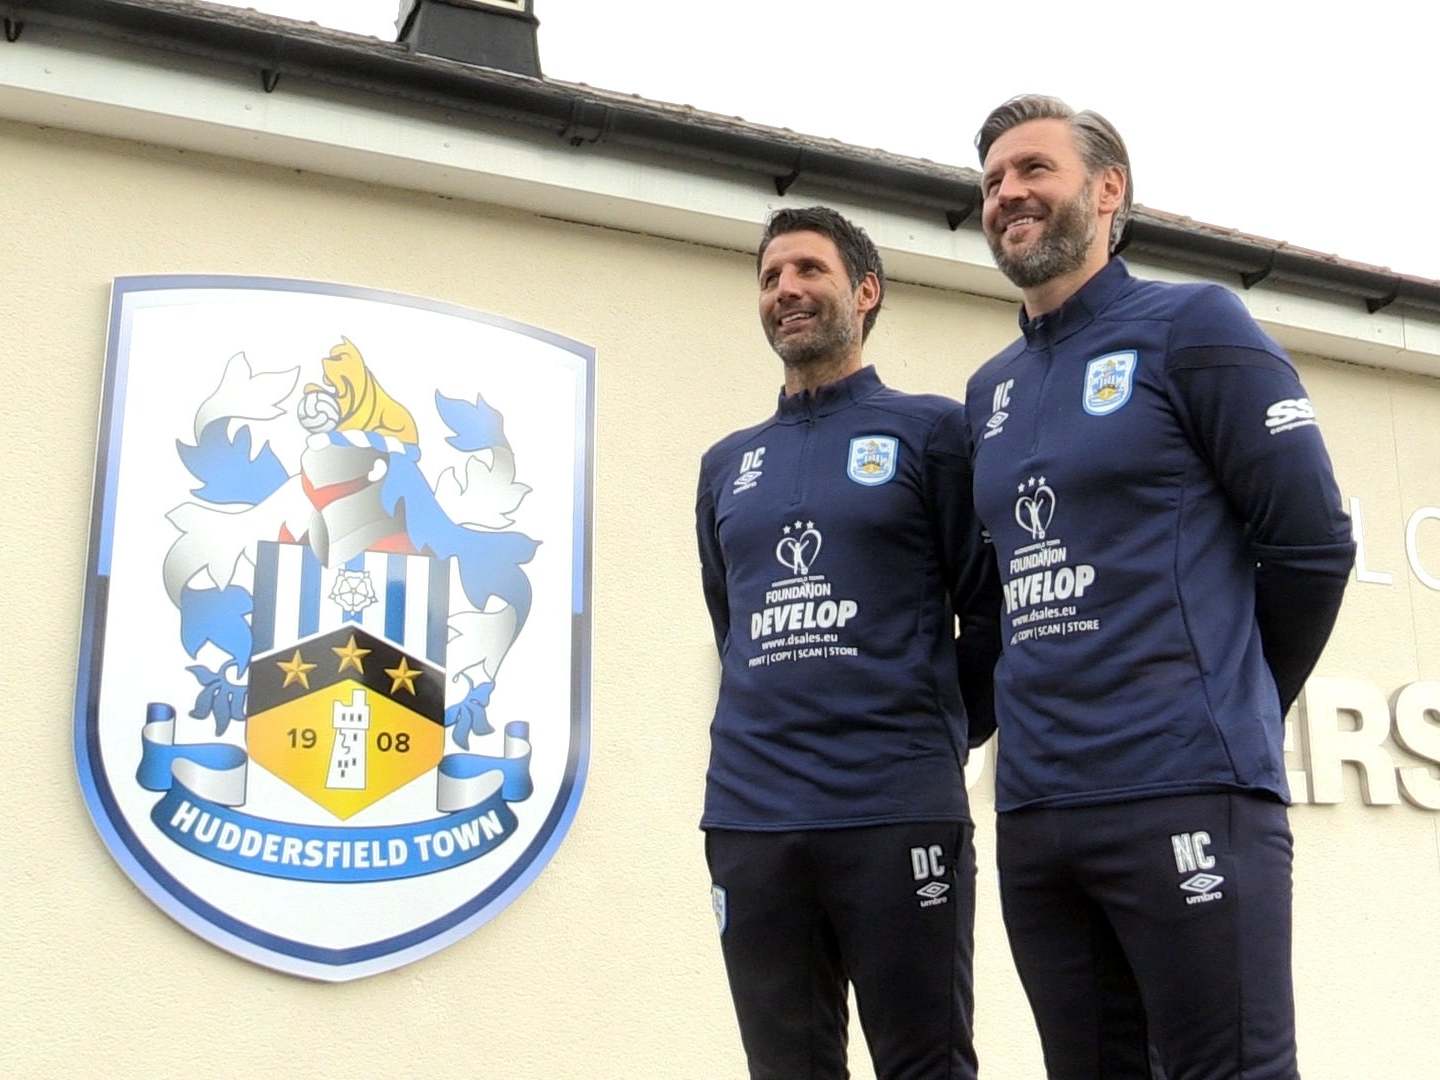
x,y
838,543
1170,541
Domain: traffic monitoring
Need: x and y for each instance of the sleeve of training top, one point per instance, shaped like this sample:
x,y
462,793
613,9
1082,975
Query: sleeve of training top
x,y
712,562
967,568
1244,409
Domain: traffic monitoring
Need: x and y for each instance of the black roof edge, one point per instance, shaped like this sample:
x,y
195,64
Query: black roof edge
x,y
581,115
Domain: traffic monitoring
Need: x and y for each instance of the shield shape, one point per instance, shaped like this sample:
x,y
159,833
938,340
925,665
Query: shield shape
x,y
1109,380
340,714
872,459
345,718
310,560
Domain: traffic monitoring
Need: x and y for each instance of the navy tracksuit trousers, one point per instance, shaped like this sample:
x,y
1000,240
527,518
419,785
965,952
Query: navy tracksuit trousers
x,y
1161,922
889,908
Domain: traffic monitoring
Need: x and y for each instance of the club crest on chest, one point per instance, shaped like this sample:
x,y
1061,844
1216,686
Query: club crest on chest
x,y
1109,380
872,459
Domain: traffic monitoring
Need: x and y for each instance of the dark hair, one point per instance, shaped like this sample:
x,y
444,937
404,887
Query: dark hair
x,y
1100,145
856,249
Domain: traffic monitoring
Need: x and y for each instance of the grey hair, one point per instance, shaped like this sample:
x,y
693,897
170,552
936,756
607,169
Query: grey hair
x,y
1100,145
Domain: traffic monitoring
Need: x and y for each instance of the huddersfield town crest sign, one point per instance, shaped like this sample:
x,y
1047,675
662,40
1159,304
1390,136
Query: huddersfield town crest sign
x,y
332,710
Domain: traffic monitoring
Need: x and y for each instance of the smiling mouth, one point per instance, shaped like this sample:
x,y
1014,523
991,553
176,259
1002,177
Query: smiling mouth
x,y
1020,222
794,319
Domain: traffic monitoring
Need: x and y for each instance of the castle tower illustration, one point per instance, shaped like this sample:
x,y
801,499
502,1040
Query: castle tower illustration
x,y
347,756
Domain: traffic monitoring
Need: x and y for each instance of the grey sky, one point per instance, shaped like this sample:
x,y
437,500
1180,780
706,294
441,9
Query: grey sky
x,y
1304,122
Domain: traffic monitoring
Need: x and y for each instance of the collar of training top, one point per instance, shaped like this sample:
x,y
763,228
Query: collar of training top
x,y
1080,310
830,398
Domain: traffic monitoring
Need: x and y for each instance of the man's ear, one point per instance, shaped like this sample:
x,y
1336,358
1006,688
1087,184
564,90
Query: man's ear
x,y
1113,184
867,293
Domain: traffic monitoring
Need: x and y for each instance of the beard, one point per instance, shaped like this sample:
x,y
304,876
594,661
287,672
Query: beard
x,y
1059,249
831,333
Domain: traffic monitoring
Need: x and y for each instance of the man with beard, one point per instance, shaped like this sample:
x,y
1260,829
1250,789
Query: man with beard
x,y
1173,554
837,546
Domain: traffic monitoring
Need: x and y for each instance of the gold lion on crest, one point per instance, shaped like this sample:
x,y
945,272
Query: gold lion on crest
x,y
364,405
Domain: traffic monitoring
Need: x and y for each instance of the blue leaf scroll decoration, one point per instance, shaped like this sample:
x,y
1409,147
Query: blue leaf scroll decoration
x,y
226,472
476,427
489,561
218,616
466,718
218,697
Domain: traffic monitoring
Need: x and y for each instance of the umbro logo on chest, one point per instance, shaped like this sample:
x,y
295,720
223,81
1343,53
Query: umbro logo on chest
x,y
999,402
751,469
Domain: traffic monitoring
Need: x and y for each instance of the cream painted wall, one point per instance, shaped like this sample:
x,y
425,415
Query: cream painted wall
x,y
607,967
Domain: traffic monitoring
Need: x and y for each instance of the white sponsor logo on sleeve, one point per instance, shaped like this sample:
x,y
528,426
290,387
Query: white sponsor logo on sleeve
x,y
1289,414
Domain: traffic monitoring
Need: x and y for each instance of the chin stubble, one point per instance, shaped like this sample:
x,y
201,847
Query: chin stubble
x,y
831,335
1062,247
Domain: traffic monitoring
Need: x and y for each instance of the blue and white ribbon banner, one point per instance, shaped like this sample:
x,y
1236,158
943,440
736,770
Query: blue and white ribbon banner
x,y
205,782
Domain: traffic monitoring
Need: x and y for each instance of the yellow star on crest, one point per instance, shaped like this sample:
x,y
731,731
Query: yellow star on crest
x,y
403,674
350,655
296,670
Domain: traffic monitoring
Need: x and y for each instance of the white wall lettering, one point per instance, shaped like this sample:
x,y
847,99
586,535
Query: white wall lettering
x,y
1412,545
1328,745
1417,729
1362,568
1363,572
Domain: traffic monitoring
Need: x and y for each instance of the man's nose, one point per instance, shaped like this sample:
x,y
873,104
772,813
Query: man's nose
x,y
1012,188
